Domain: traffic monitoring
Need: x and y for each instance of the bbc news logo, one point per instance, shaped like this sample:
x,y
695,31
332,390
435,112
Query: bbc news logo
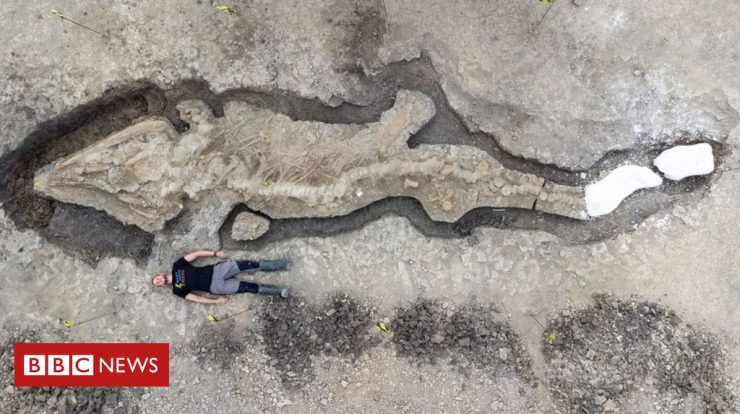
x,y
92,365
58,365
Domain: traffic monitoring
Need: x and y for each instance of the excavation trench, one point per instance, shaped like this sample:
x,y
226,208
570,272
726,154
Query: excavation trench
x,y
78,229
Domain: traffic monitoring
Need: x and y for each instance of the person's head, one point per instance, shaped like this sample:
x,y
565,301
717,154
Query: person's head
x,y
159,280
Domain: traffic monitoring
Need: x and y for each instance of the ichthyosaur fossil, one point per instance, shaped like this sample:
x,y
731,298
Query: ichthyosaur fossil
x,y
144,174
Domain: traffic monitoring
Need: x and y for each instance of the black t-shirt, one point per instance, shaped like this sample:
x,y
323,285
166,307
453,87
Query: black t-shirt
x,y
186,277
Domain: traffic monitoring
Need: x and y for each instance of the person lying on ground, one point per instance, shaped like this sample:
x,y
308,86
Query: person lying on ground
x,y
218,279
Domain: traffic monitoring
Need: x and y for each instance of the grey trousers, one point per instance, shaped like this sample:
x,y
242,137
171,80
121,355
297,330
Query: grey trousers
x,y
224,281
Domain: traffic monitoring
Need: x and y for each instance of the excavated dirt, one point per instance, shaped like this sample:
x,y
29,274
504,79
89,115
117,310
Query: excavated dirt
x,y
294,332
120,107
631,212
428,331
425,332
62,400
603,353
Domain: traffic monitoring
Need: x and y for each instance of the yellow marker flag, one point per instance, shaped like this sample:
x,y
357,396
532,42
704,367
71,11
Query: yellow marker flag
x,y
60,15
211,317
68,324
227,9
383,327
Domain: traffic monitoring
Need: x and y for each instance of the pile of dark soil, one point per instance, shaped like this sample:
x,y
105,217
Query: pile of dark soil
x,y
604,352
60,400
427,332
294,332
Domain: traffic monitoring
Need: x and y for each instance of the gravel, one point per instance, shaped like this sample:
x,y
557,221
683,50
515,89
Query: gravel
x,y
294,332
424,331
605,352
427,331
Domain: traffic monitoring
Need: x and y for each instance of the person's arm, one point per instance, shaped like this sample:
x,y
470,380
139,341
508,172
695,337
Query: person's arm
x,y
204,300
204,253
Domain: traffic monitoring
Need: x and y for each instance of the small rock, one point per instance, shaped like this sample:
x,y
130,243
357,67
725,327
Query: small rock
x,y
249,226
437,338
609,405
599,400
9,389
344,384
503,354
409,183
283,403
63,406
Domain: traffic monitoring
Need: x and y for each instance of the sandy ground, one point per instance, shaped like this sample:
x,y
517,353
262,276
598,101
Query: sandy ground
x,y
673,279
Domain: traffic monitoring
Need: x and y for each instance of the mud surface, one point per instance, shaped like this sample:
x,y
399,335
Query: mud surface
x,y
68,400
605,352
120,107
630,213
92,234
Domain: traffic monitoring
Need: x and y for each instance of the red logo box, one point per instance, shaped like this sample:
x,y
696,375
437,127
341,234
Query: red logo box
x,y
92,365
